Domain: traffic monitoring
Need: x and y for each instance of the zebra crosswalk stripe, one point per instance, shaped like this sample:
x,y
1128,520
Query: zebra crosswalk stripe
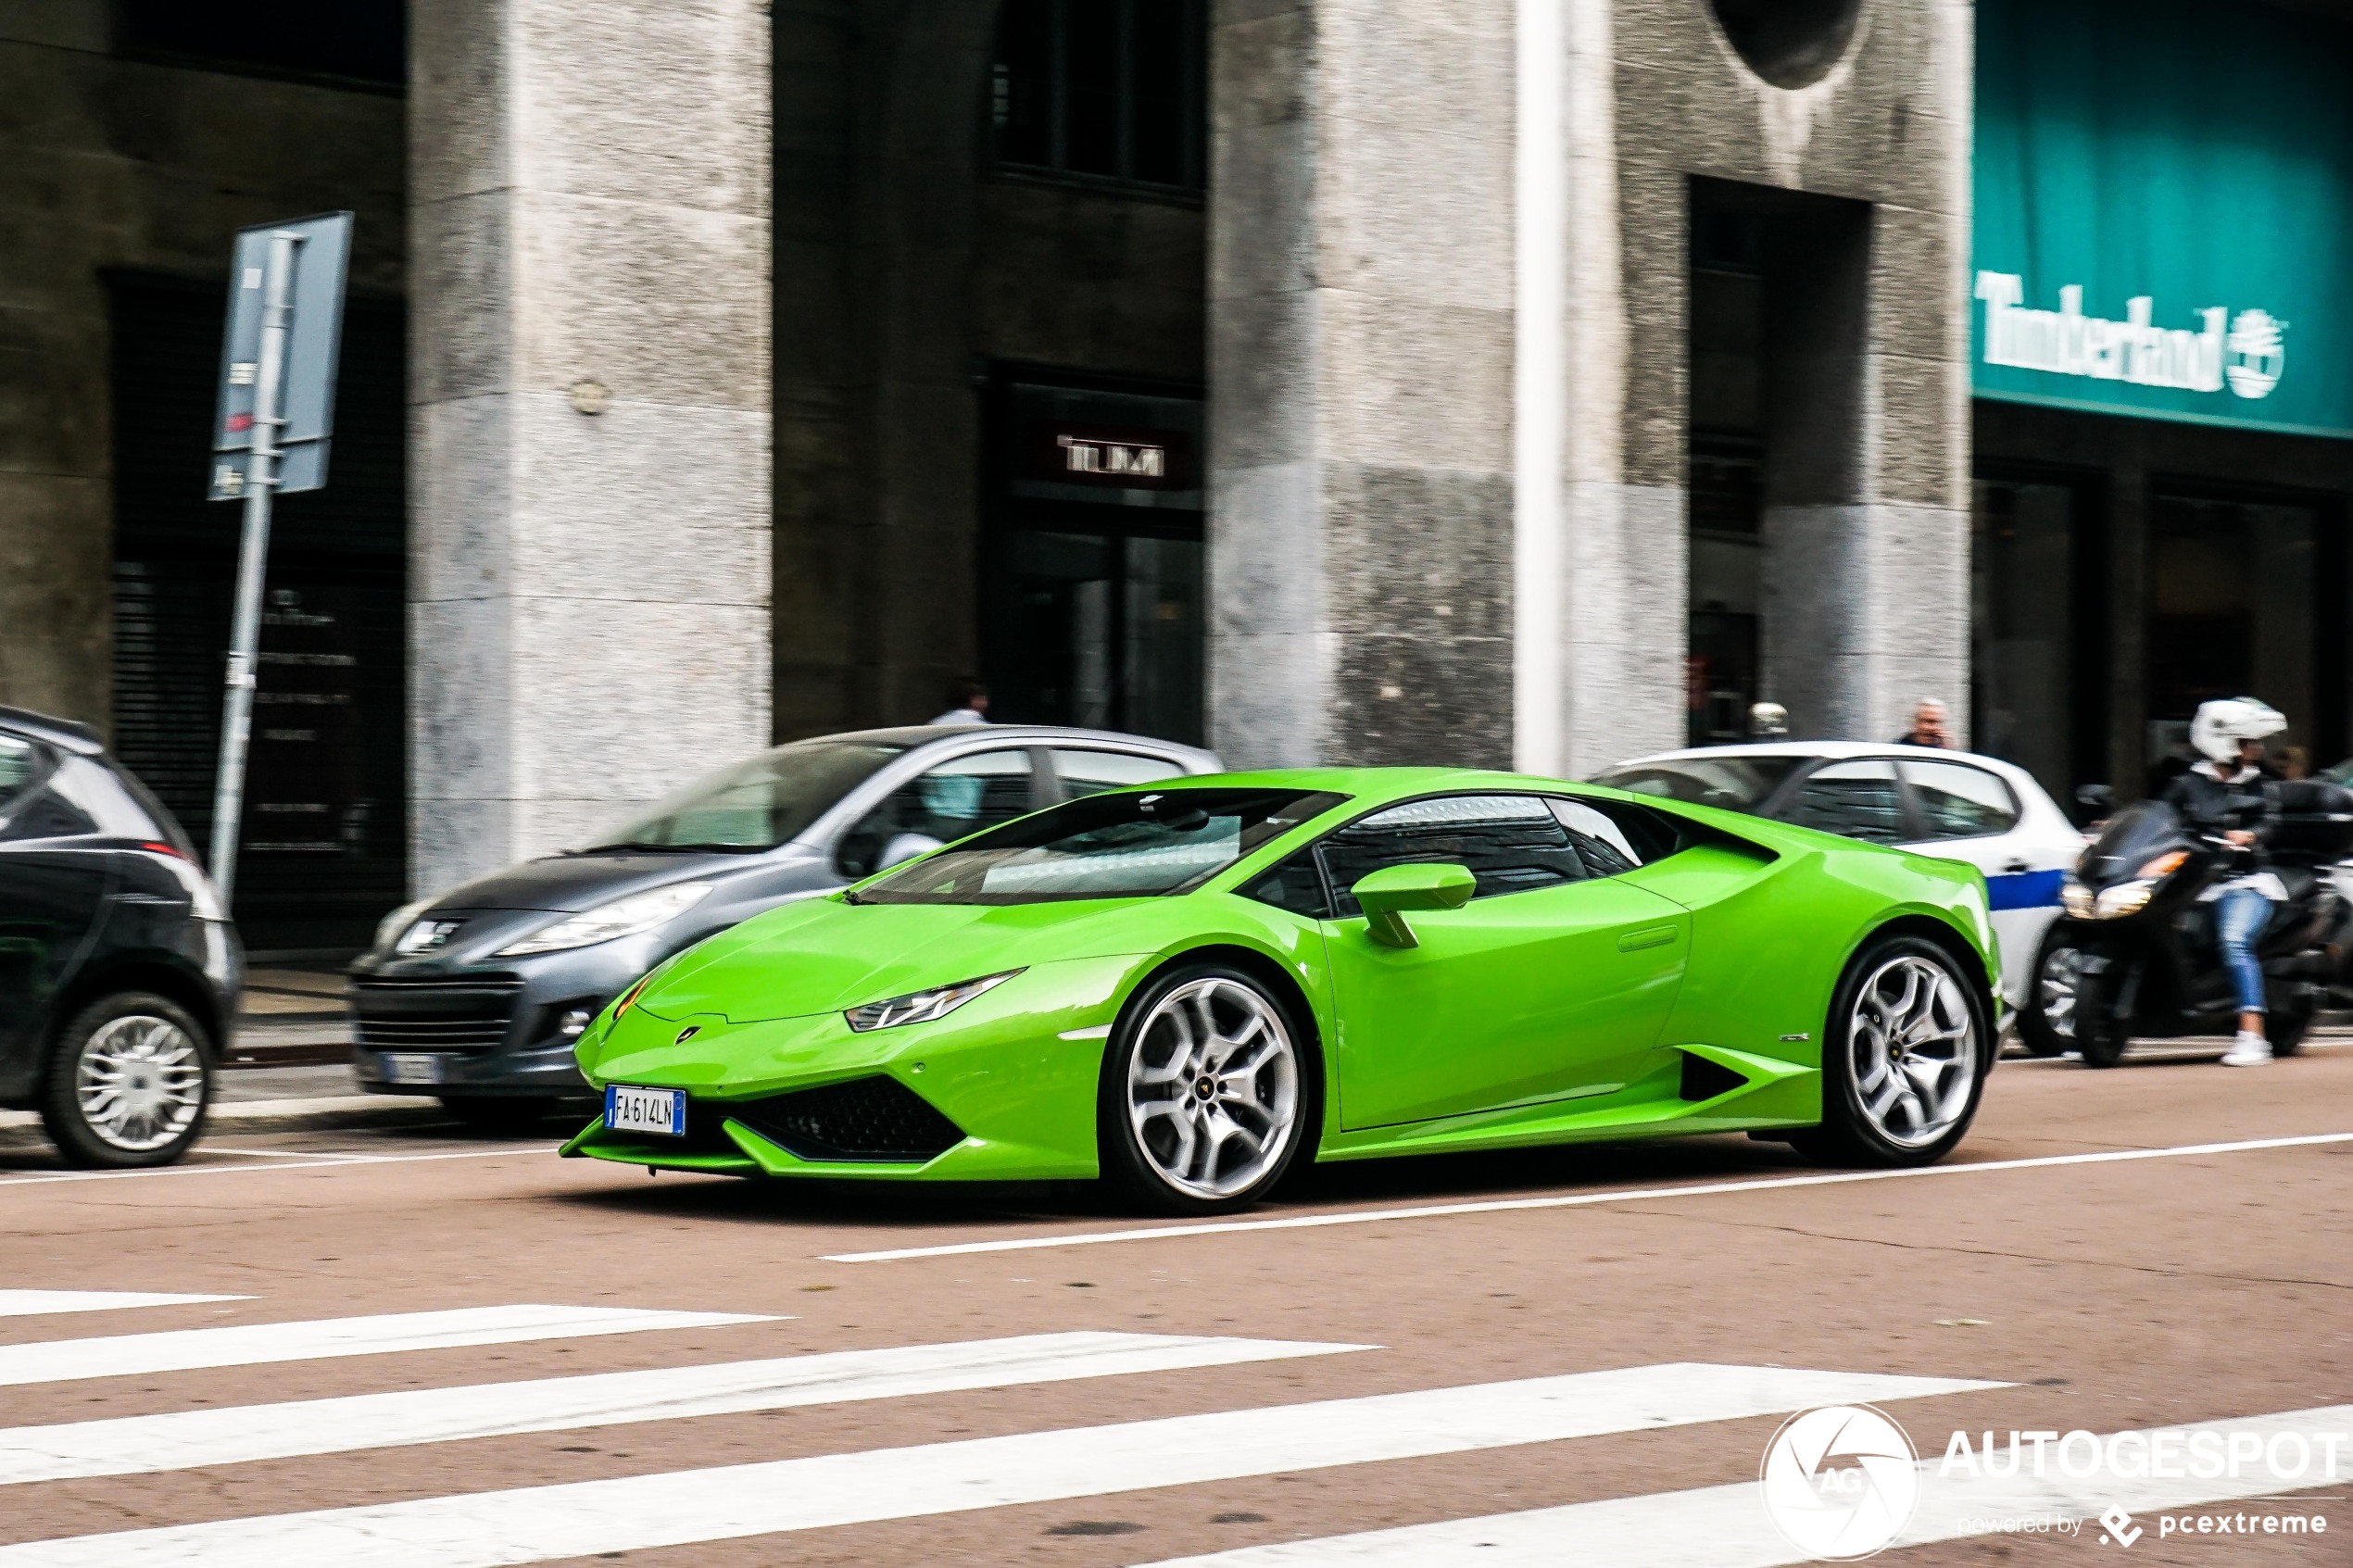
x,y
37,1303
181,1439
255,1344
538,1523
1728,1528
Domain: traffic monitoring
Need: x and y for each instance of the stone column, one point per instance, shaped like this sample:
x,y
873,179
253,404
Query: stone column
x,y
589,420
1360,349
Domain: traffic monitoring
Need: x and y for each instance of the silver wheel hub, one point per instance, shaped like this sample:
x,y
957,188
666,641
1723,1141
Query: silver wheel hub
x,y
2057,987
1212,1088
1913,1042
139,1083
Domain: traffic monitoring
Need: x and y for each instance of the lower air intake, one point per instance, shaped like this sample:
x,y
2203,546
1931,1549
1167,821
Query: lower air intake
x,y
865,1119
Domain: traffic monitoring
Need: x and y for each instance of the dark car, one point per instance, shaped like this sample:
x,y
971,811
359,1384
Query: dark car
x,y
476,996
119,967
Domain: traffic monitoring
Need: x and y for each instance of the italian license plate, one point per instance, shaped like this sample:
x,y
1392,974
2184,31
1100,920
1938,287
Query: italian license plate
x,y
629,1109
411,1067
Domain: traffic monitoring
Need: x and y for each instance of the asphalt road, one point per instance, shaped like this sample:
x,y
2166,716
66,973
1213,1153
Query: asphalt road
x,y
1488,1357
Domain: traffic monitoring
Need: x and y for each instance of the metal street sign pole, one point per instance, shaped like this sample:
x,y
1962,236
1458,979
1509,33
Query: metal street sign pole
x,y
244,635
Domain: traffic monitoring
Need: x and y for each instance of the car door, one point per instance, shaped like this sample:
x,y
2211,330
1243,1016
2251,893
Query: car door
x,y
1971,814
52,892
1550,982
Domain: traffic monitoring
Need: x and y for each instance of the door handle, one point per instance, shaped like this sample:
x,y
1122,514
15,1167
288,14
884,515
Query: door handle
x,y
1649,936
2015,868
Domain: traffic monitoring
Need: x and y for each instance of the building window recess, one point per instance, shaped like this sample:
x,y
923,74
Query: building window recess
x,y
1102,91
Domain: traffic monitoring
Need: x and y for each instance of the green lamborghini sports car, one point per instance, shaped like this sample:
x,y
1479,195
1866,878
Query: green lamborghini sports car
x,y
1186,988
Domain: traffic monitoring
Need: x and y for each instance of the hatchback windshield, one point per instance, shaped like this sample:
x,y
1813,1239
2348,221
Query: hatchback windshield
x,y
1735,784
1124,845
760,802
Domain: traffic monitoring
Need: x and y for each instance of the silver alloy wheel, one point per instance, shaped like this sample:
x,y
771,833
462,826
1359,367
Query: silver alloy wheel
x,y
2057,985
139,1081
1913,1045
1213,1088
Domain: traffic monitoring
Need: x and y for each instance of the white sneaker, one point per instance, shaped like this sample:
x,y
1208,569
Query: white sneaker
x,y
2248,1050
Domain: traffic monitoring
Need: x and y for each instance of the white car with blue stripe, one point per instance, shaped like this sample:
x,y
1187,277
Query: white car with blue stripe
x,y
1953,805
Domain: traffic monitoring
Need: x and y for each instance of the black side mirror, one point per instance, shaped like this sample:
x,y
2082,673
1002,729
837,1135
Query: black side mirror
x,y
2098,797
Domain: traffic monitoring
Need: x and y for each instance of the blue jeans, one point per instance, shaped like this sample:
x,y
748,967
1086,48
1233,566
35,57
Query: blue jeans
x,y
2239,918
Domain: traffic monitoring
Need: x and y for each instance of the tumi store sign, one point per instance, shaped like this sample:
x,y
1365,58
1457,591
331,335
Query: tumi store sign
x,y
2163,211
1108,457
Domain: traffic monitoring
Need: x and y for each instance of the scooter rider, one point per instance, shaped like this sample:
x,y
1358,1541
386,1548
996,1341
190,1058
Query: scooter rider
x,y
2222,798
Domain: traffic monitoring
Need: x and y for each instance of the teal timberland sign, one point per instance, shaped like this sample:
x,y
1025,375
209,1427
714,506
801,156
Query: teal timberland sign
x,y
2164,211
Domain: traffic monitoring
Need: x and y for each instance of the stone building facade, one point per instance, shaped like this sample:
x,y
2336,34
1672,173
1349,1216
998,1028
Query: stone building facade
x,y
1320,380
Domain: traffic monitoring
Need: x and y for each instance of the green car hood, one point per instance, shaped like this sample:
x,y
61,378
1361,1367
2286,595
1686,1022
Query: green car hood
x,y
826,954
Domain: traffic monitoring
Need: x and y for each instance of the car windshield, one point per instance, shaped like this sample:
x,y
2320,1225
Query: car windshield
x,y
1736,783
757,804
1129,845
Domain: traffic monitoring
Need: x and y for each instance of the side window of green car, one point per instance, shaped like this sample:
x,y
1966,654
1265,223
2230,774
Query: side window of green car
x,y
1512,843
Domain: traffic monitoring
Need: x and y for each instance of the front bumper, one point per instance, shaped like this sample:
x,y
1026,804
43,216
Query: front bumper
x,y
496,1028
1016,1072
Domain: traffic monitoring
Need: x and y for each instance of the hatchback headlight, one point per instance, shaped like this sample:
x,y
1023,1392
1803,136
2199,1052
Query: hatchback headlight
x,y
624,917
2125,899
922,1007
389,929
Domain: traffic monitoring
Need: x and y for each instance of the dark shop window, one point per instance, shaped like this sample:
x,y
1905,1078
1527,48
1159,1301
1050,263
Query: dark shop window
x,y
360,42
1102,90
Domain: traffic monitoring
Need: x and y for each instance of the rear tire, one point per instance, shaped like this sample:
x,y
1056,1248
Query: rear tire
x,y
1904,1058
1209,1091
129,1082
500,1115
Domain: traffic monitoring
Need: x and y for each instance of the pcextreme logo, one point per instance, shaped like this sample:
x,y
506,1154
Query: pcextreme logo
x,y
2247,352
1840,1482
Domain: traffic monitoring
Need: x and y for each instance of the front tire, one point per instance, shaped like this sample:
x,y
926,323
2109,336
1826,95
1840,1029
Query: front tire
x,y
1207,1093
129,1081
1904,1058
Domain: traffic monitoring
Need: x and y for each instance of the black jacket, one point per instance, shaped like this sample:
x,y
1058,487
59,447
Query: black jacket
x,y
2210,806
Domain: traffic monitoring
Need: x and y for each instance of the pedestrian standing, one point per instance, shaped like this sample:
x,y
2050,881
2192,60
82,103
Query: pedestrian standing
x,y
1932,725
967,703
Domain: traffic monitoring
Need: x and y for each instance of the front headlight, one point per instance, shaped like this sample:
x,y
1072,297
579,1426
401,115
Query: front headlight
x,y
389,929
922,1007
2076,900
2125,899
624,917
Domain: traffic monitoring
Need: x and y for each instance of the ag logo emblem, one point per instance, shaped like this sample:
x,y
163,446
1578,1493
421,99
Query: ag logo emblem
x,y
1840,1482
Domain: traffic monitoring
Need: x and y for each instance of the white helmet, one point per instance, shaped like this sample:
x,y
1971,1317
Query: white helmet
x,y
2222,724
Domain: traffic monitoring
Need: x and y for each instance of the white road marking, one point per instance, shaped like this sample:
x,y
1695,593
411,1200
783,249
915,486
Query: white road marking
x,y
33,1303
1569,1200
255,1344
315,1162
1726,1527
641,1513
141,1444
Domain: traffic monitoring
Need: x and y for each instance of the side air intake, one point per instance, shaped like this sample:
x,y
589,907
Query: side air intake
x,y
1704,1078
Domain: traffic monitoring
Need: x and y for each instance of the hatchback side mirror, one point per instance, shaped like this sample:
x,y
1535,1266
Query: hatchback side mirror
x,y
905,846
1387,893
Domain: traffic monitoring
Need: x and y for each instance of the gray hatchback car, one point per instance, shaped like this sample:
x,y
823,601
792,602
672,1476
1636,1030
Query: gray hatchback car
x,y
477,994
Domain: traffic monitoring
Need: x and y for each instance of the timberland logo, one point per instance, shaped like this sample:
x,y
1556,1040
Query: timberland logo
x,y
2247,352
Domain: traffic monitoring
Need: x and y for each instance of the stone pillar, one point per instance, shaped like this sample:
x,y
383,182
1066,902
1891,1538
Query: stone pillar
x,y
1599,532
589,422
1360,350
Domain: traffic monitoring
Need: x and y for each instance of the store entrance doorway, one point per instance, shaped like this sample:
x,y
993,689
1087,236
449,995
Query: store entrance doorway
x,y
1093,610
